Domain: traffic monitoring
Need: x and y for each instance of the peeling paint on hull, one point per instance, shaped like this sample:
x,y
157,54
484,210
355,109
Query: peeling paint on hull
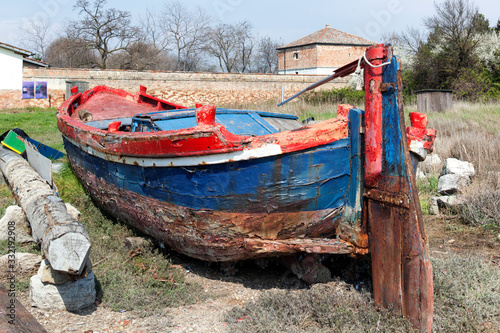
x,y
207,234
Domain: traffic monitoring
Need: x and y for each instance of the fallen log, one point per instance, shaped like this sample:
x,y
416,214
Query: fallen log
x,y
65,242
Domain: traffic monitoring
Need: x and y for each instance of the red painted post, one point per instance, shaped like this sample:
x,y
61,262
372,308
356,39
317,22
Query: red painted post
x,y
376,55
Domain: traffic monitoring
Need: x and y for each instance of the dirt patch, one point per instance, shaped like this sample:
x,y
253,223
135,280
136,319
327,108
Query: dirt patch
x,y
251,281
446,234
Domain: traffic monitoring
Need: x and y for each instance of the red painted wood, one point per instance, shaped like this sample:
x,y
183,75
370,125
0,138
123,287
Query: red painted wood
x,y
375,54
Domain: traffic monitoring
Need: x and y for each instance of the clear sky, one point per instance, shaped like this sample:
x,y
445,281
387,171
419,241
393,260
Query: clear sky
x,y
288,20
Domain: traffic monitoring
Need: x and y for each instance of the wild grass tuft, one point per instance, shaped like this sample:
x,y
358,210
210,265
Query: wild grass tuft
x,y
467,294
482,209
467,299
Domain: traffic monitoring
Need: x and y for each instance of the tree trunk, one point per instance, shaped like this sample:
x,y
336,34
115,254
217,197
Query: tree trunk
x,y
65,242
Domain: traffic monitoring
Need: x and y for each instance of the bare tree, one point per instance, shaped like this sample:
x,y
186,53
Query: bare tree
x,y
70,52
105,30
232,45
188,30
149,51
267,56
142,56
37,36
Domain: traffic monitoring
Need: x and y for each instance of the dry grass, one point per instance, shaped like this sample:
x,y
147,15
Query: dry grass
x,y
296,107
471,132
467,299
333,307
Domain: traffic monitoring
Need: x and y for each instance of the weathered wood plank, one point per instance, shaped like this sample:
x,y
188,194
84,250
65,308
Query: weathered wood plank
x,y
14,317
65,242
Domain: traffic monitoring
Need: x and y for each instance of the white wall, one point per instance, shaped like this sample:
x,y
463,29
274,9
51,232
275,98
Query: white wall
x,y
11,70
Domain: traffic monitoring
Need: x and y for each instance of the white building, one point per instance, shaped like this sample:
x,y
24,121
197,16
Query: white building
x,y
12,61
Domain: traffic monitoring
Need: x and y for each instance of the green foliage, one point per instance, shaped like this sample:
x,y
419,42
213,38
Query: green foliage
x,y
39,124
449,57
336,96
475,84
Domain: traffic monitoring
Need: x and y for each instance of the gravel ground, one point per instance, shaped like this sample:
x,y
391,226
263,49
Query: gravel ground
x,y
206,316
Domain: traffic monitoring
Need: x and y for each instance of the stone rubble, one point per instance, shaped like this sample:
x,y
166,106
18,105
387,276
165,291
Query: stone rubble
x,y
22,230
454,179
70,296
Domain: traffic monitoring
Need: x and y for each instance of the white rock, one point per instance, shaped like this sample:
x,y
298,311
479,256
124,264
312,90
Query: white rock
x,y
25,264
15,221
452,183
49,275
70,296
452,202
75,213
457,167
433,206
431,164
419,174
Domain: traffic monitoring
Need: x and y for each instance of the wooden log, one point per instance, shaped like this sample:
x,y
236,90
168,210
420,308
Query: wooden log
x,y
15,318
65,242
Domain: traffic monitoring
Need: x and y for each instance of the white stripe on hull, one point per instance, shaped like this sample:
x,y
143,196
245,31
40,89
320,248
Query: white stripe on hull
x,y
242,155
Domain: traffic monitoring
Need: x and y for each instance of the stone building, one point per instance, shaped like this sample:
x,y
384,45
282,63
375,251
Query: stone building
x,y
321,52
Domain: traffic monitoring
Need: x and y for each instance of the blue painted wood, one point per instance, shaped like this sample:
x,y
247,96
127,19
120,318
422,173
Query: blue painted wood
x,y
235,121
45,150
392,137
190,113
354,202
311,180
170,124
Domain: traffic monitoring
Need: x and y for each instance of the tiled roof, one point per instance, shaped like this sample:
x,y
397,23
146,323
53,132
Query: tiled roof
x,y
329,35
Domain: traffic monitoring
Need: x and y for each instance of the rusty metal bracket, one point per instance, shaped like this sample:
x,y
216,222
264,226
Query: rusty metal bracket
x,y
393,199
388,87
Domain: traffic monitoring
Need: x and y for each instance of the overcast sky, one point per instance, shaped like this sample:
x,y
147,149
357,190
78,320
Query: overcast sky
x,y
288,20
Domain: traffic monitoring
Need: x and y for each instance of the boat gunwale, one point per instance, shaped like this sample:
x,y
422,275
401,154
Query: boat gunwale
x,y
182,142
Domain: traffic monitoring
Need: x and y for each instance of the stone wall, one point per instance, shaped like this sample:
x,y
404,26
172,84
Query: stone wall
x,y
221,89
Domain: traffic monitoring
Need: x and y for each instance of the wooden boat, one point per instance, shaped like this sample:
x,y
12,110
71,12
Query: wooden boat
x,y
225,185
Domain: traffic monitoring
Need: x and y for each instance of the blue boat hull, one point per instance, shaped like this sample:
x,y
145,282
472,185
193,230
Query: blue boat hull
x,y
216,212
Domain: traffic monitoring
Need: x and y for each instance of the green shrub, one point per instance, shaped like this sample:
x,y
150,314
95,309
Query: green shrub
x,y
336,96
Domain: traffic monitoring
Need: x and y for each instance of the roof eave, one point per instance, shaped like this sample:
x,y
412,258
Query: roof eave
x,y
36,62
316,43
16,50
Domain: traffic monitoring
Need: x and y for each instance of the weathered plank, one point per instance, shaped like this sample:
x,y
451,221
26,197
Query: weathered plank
x,y
65,242
401,269
14,317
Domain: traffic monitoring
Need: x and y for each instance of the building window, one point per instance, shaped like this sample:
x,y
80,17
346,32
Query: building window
x,y
296,55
